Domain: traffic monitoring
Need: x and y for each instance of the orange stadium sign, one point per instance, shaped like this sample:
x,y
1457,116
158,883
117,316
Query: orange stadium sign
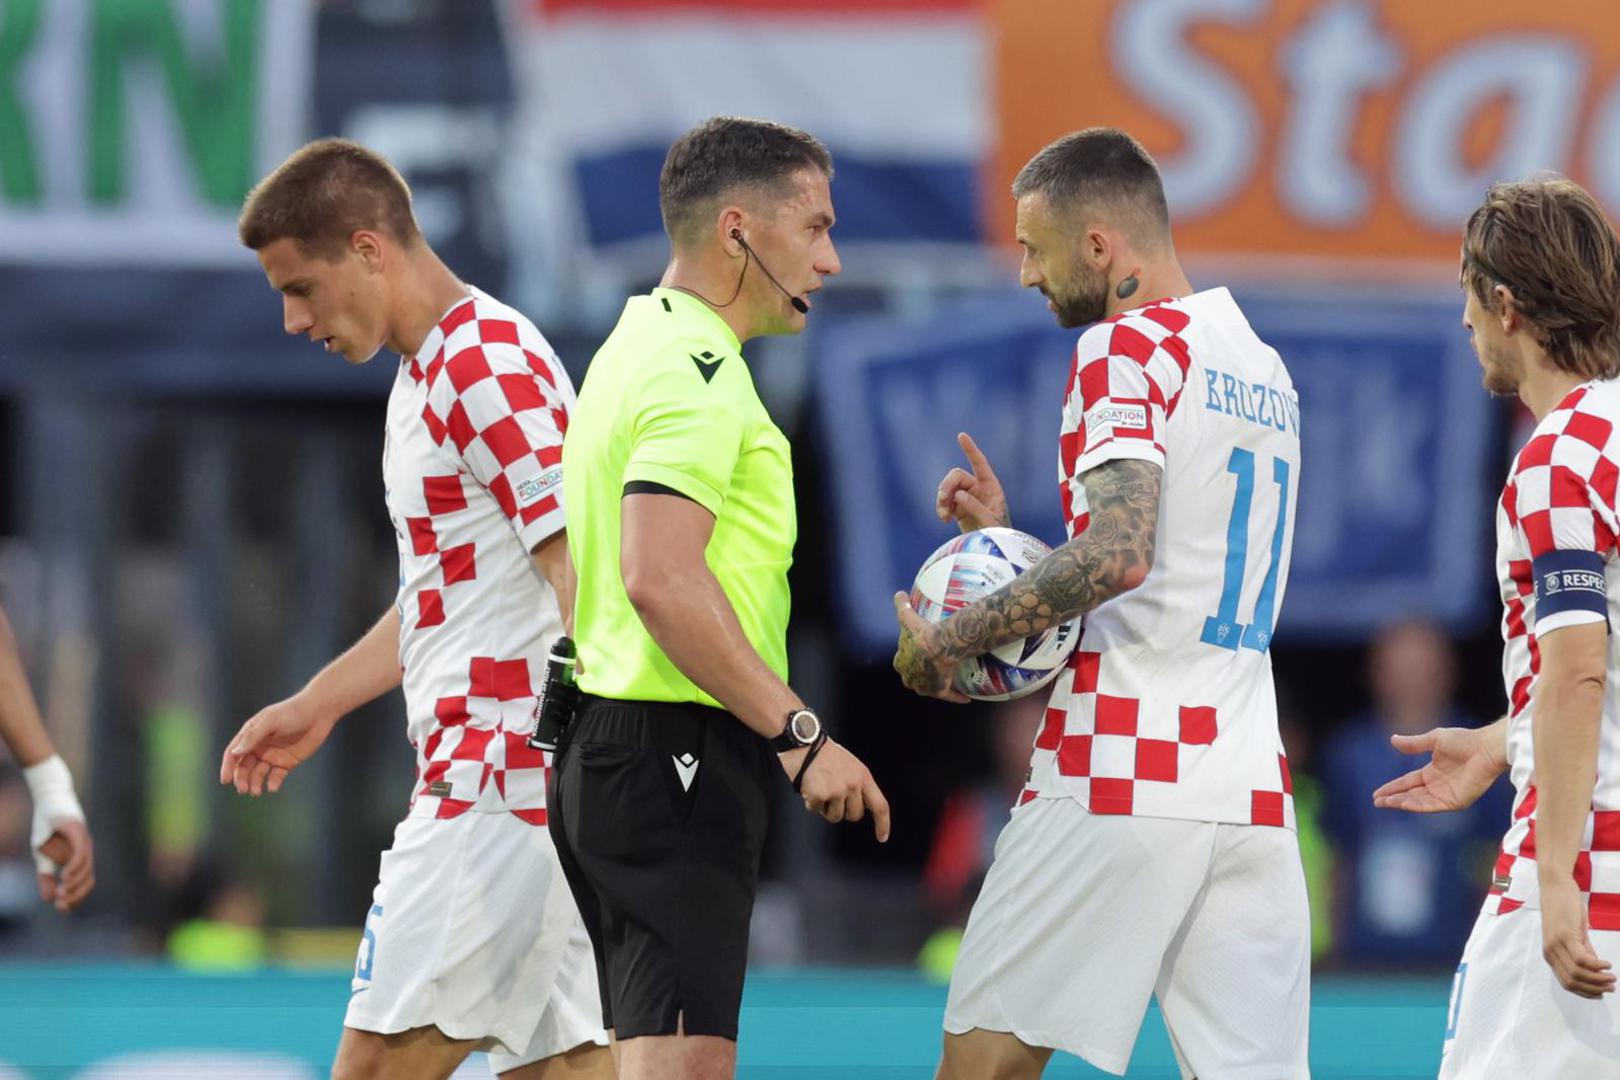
x,y
1318,130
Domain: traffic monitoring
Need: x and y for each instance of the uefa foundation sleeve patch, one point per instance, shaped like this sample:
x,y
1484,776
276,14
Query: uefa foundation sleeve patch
x,y
1570,583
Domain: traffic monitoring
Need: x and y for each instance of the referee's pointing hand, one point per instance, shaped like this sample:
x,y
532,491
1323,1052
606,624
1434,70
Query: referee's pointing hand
x,y
840,788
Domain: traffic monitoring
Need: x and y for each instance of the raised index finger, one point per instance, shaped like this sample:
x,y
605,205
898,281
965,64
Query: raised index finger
x,y
975,456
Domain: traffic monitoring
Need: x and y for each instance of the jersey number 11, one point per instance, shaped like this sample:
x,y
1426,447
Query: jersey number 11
x,y
1222,629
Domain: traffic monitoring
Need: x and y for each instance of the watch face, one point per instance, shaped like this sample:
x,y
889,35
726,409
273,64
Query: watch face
x,y
806,727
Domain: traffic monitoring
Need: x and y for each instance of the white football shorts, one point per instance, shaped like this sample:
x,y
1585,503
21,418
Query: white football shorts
x,y
1084,916
1509,1016
472,929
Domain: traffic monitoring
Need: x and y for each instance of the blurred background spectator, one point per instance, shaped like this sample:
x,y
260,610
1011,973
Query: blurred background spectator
x,y
1407,886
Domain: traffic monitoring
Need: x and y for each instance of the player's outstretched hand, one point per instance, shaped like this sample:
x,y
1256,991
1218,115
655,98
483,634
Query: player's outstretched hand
x,y
1566,945
278,739
72,852
974,500
1464,764
917,659
840,788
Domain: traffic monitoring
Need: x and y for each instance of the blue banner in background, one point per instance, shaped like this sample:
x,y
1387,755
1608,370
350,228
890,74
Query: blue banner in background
x,y
1398,462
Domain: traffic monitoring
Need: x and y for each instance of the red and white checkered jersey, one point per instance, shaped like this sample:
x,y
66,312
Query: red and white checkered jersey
x,y
472,463
1169,709
1558,511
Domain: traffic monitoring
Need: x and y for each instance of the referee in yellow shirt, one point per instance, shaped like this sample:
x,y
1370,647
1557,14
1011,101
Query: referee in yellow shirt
x,y
681,521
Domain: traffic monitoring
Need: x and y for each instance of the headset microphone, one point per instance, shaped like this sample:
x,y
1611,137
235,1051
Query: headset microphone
x,y
798,303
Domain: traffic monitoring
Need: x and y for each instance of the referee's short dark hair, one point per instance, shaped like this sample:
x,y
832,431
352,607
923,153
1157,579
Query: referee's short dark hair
x,y
323,194
1101,170
726,153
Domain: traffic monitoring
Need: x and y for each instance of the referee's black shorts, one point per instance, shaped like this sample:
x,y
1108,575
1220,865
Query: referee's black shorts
x,y
658,813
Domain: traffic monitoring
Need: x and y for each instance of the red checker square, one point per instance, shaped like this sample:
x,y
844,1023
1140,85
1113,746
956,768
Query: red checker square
x,y
458,564
500,782
538,365
1087,667
1527,846
450,711
1131,342
535,511
460,426
429,608
1520,696
1513,619
444,494
1051,733
1507,906
560,418
474,742
430,748
1605,479
1510,504
1070,446
459,316
1537,452
1093,382
1156,760
531,816
520,755
1502,870
1603,913
498,331
433,774
1592,430
1568,488
1583,871
1176,349
1067,499
1521,571
467,367
1606,830
501,488
435,426
1266,808
435,368
548,456
506,441
1027,795
1528,806
1197,725
504,680
452,808
1110,796
521,391
1116,715
1079,524
1287,776
1172,319
1074,755
423,539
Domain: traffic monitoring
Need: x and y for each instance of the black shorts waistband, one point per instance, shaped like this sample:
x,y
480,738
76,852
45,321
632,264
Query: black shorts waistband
x,y
675,727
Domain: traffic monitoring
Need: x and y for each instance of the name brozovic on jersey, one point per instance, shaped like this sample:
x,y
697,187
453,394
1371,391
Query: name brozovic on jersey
x,y
1169,710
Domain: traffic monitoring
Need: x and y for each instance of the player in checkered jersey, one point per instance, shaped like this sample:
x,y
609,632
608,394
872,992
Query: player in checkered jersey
x,y
473,941
1152,851
1541,281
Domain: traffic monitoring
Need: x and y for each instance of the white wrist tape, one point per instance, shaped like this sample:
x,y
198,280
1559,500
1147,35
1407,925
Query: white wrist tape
x,y
51,786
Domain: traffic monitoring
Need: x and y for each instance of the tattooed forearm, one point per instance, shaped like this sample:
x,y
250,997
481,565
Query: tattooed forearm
x,y
1112,556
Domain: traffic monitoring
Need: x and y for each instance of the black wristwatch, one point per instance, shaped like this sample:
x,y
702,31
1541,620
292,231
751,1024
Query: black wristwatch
x,y
803,730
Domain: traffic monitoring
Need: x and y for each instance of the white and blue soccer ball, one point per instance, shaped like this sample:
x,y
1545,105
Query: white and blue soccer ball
x,y
975,564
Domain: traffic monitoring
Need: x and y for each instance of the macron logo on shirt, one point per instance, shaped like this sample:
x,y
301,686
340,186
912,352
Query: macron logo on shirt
x,y
707,364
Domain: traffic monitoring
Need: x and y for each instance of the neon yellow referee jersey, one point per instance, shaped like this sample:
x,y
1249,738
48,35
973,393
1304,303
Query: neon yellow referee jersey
x,y
668,400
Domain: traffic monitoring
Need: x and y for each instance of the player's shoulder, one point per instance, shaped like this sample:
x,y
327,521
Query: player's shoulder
x,y
1137,333
1579,433
484,337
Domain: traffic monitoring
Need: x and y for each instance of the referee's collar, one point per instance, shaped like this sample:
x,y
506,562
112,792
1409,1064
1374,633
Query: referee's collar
x,y
674,299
